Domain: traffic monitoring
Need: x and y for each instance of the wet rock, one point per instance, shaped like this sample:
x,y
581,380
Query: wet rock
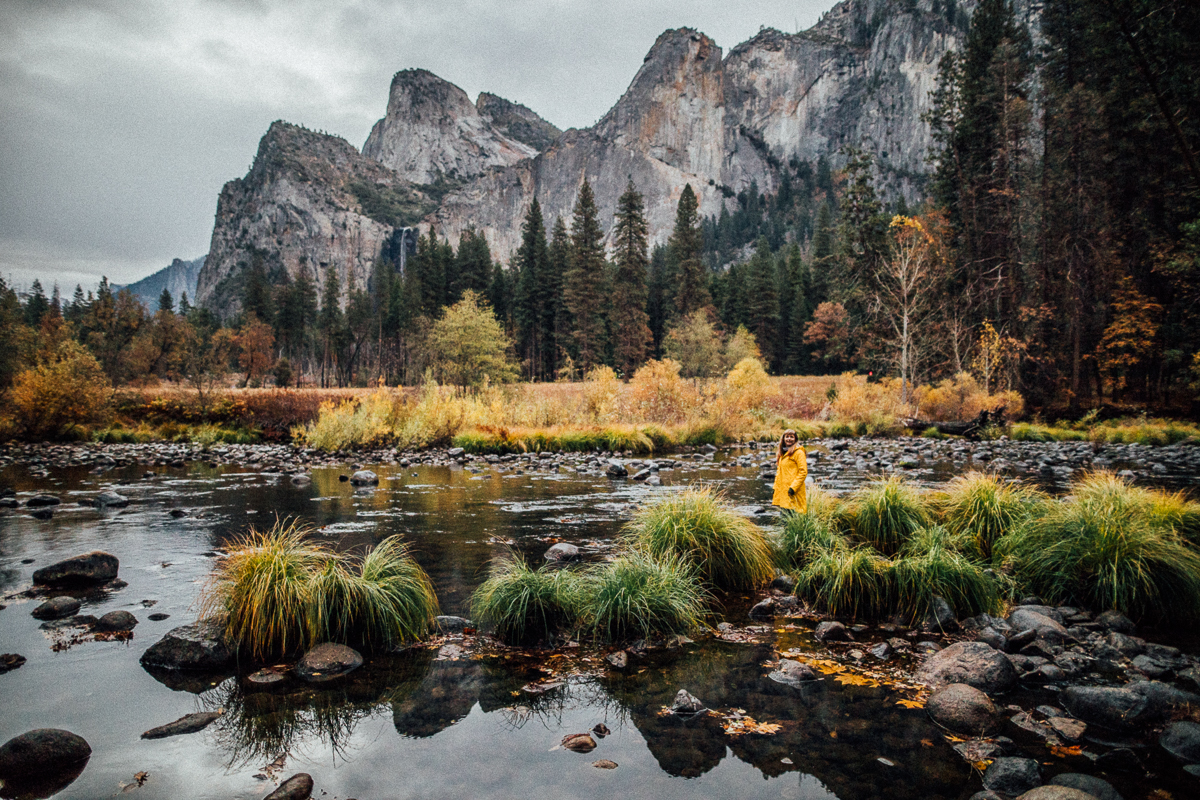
x,y
618,660
1109,707
364,477
615,469
77,621
297,787
763,609
992,637
265,679
579,742
116,621
604,763
1127,646
42,501
1056,793
26,758
784,583
189,723
1115,621
327,662
963,709
929,648
1020,639
158,616
449,624
973,663
1070,730
940,617
89,568
1096,787
42,513
1023,618
1121,759
562,552
685,703
642,474
654,480
200,647
1151,667
792,673
110,500
1182,740
882,651
831,631
1014,776
178,513
601,730
975,750
56,608
10,661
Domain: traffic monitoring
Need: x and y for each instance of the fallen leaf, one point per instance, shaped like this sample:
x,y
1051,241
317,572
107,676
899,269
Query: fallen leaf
x,y
850,679
1063,751
910,703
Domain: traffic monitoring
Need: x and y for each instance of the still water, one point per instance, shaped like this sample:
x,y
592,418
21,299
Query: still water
x,y
426,723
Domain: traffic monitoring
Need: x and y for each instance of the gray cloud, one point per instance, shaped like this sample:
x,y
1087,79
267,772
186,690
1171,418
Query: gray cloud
x,y
122,119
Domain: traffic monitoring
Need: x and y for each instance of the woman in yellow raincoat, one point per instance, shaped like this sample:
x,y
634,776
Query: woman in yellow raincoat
x,y
791,468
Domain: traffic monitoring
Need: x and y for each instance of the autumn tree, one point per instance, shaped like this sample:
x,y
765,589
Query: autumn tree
x,y
828,334
255,343
1130,340
695,343
630,245
467,346
68,388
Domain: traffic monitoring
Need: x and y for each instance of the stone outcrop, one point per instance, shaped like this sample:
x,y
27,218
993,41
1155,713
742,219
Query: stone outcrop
x,y
433,130
517,121
309,201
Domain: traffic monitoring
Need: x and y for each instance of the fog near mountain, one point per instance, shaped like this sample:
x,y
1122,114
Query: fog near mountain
x,y
122,121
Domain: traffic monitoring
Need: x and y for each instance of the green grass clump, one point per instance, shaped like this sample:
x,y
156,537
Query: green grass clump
x,y
524,605
697,526
886,513
261,590
388,600
931,565
636,596
1109,545
983,508
276,593
843,580
801,537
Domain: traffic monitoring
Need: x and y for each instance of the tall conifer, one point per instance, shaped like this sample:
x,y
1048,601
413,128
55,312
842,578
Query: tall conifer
x,y
630,321
584,290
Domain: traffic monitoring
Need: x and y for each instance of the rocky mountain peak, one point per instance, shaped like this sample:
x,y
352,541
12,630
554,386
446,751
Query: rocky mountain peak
x,y
432,130
517,121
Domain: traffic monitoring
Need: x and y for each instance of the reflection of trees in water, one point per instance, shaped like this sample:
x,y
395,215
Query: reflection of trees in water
x,y
836,734
260,726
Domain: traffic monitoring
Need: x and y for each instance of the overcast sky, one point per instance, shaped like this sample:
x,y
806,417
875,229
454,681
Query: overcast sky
x,y
120,120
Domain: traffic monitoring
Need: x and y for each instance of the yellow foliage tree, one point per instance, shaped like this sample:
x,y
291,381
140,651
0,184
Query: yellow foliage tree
x,y
659,394
66,390
1130,339
467,345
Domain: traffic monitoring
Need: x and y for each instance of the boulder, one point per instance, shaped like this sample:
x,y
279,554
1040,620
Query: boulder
x,y
89,568
42,501
297,787
116,621
784,583
685,703
604,763
1115,621
618,660
792,673
449,624
962,709
940,617
1096,787
562,552
56,608
831,631
993,638
579,742
1013,776
1106,706
189,723
110,500
364,477
327,662
31,755
10,661
1056,793
200,647
1182,740
973,663
763,609
1071,730
1025,617
615,469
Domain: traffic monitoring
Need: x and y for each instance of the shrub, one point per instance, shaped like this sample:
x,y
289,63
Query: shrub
x,y
658,394
1105,546
636,596
697,526
387,601
874,405
600,389
961,397
524,605
803,537
365,422
855,581
929,566
748,387
983,508
69,389
886,513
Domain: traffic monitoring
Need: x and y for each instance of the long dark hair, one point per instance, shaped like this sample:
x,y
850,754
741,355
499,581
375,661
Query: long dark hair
x,y
779,448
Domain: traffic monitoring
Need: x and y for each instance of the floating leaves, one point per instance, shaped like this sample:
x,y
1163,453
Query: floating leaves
x,y
851,679
910,703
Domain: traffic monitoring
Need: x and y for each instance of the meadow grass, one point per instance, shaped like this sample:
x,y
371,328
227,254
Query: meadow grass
x,y
1109,545
524,606
983,508
1150,432
698,526
636,596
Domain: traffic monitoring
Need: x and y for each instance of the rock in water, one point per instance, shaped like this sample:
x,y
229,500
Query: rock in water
x,y
56,608
615,469
1182,740
364,477
116,621
190,723
973,663
685,703
579,742
562,551
110,500
963,709
1106,706
327,662
200,647
792,673
830,631
42,501
1096,787
10,661
47,757
1012,775
89,568
297,787
448,624
1053,792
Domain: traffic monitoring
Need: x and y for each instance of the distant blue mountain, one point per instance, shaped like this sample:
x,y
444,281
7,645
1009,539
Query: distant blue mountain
x,y
177,278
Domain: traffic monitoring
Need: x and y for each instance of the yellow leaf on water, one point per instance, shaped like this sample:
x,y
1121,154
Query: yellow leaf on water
x,y
850,679
910,703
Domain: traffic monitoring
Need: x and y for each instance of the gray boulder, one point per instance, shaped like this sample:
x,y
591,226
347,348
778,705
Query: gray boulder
x,y
1056,793
1182,740
615,469
89,568
327,662
28,757
364,477
56,608
686,703
1096,787
940,617
449,624
200,647
116,621
189,723
297,787
792,673
1014,776
562,551
1025,617
110,500
1107,706
973,663
42,501
962,709
1115,621
831,631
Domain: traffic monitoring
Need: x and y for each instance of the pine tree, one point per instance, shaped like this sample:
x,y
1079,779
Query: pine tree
x,y
256,295
472,266
165,302
687,246
584,289
330,321
657,297
762,299
630,321
533,305
36,305
557,322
